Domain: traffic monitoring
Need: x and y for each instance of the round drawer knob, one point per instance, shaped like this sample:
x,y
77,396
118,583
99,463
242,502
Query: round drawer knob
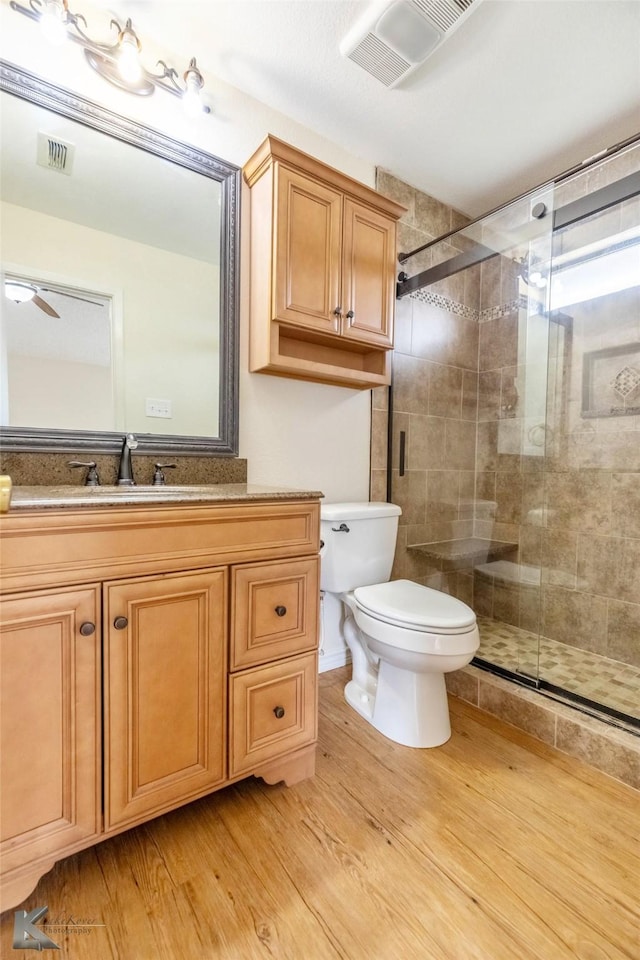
x,y
120,623
87,628
279,712
281,611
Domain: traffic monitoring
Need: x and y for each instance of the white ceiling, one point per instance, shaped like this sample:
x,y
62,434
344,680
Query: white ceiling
x,y
522,90
97,195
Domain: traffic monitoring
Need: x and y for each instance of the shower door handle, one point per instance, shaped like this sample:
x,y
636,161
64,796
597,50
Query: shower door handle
x,y
403,437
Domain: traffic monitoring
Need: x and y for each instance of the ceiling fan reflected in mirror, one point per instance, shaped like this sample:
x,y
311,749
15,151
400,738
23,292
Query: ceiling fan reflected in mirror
x,y
21,292
24,291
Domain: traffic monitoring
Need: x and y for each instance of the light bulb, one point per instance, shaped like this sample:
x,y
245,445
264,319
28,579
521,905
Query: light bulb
x,y
192,103
129,66
53,22
191,100
538,279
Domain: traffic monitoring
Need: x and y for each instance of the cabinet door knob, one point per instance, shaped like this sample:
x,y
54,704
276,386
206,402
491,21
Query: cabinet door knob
x,y
87,628
281,611
120,623
338,311
279,712
350,314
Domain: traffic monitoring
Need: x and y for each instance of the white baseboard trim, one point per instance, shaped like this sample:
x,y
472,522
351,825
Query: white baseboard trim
x,y
332,660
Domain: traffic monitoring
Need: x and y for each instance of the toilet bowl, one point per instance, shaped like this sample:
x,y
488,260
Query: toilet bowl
x,y
403,637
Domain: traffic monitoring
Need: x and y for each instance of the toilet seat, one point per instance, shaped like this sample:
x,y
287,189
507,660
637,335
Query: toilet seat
x,y
410,606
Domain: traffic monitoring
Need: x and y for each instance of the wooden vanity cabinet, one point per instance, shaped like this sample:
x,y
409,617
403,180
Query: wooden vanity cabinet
x,y
192,630
323,263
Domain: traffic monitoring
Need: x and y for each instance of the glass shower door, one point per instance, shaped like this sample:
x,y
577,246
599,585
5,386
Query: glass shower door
x,y
591,543
515,432
468,424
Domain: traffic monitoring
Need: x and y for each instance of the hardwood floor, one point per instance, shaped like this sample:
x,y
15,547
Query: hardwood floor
x,y
491,847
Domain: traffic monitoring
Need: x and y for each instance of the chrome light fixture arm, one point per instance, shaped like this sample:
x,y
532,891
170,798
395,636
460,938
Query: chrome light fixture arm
x,y
118,63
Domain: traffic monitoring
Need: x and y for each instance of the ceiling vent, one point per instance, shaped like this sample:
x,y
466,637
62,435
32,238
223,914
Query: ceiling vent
x,y
393,39
55,154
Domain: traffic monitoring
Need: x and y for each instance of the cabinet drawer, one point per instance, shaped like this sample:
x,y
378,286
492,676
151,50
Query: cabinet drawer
x,y
272,711
275,611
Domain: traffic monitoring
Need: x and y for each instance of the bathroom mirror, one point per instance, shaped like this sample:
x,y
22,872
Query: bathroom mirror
x,y
124,247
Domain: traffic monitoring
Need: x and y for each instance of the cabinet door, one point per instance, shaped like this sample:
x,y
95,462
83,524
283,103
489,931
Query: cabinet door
x,y
50,688
165,705
308,234
369,262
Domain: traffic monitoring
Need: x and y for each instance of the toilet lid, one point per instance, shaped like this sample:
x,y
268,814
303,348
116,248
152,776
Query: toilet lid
x,y
410,605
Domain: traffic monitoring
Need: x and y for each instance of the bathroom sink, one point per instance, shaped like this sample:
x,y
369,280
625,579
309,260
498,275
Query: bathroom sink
x,y
149,490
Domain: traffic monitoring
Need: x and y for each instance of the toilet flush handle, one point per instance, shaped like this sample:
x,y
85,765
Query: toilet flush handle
x,y
343,528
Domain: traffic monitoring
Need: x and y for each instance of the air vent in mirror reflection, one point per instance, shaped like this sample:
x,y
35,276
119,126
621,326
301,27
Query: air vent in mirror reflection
x,y
54,153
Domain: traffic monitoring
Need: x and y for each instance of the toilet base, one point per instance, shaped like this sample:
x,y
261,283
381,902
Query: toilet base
x,y
409,708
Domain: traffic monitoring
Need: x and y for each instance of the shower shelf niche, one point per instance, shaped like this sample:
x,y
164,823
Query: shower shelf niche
x,y
457,554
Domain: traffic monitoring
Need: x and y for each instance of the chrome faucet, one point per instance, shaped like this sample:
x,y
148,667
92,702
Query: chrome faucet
x,y
125,469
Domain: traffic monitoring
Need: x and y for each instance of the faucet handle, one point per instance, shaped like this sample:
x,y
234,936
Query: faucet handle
x,y
92,478
158,476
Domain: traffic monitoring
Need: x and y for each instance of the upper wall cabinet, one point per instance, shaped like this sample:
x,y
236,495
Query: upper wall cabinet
x,y
323,262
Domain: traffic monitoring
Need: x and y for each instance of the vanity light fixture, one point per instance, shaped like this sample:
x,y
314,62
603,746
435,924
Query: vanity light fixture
x,y
120,62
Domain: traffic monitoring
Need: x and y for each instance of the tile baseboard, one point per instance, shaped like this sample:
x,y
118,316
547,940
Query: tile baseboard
x,y
599,744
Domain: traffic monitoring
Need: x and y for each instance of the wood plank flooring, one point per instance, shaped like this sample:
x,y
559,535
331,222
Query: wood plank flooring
x,y
491,847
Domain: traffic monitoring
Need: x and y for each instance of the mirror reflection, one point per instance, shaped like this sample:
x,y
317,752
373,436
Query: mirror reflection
x,y
116,283
58,360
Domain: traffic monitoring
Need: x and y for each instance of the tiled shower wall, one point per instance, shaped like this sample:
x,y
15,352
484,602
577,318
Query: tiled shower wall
x,y
435,376
456,379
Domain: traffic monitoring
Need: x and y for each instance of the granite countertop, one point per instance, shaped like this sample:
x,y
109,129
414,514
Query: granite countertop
x,y
43,497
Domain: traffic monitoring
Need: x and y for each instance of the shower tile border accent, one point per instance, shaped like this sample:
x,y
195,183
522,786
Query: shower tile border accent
x,y
598,744
460,309
445,303
503,309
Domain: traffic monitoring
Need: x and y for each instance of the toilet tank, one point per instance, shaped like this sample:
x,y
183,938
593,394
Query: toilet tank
x,y
359,544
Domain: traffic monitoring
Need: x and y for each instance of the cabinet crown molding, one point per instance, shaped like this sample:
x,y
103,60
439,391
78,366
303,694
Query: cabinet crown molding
x,y
272,150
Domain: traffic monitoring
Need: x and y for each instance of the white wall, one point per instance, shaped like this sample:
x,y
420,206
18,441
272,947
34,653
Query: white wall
x,y
53,403
297,434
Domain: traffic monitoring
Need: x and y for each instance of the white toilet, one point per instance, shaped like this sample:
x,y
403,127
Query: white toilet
x,y
403,637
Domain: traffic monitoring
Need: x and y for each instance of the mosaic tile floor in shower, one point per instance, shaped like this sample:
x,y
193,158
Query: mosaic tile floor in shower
x,y
609,682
